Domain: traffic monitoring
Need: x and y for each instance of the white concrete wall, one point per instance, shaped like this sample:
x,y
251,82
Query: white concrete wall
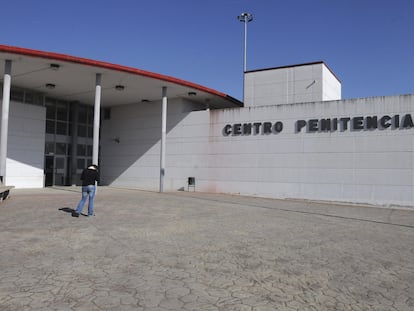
x,y
287,85
358,166
331,86
26,143
135,160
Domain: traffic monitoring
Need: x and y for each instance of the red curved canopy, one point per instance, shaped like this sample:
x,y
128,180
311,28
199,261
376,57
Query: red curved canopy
x,y
74,79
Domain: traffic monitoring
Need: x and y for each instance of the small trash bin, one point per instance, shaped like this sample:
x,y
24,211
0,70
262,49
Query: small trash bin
x,y
191,183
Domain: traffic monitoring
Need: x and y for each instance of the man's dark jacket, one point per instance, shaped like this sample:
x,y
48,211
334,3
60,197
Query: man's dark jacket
x,y
89,176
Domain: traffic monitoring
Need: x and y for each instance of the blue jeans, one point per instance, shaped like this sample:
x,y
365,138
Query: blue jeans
x,y
87,191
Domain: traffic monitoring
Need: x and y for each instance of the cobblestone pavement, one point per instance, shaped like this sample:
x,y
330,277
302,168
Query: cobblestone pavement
x,y
191,251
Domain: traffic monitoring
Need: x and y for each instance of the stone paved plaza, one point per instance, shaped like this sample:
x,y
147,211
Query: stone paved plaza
x,y
191,251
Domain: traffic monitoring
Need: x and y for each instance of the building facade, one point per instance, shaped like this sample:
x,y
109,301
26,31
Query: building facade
x,y
294,138
358,151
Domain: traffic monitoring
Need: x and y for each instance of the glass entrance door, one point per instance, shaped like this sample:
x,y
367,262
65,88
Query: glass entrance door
x,y
55,170
60,171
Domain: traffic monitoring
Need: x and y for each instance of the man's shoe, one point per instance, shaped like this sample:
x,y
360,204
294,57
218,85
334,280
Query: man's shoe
x,y
75,214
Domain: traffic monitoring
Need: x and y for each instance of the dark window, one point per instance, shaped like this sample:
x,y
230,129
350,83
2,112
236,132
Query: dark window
x,y
50,127
49,148
90,116
81,163
81,130
107,114
81,150
90,131
62,112
28,97
82,114
50,112
61,148
17,95
89,150
61,128
60,162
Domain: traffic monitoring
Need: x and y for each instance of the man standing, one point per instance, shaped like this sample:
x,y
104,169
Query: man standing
x,y
89,177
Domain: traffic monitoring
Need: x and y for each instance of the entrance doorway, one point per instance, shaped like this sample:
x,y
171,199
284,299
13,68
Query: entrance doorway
x,y
49,168
55,170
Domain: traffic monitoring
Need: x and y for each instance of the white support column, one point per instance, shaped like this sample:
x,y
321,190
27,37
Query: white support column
x,y
163,137
96,118
5,119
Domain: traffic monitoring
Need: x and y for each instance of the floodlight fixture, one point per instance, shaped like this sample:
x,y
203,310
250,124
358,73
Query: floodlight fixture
x,y
245,18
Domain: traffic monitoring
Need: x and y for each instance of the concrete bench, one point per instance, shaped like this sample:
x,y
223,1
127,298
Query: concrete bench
x,y
4,192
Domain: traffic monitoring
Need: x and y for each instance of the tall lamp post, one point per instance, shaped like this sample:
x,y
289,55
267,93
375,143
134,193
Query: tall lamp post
x,y
245,18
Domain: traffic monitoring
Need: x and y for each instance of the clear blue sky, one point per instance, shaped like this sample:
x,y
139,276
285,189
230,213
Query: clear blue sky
x,y
367,43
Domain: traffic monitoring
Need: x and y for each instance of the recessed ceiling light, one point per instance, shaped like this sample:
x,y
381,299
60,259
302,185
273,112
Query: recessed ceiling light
x,y
119,87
